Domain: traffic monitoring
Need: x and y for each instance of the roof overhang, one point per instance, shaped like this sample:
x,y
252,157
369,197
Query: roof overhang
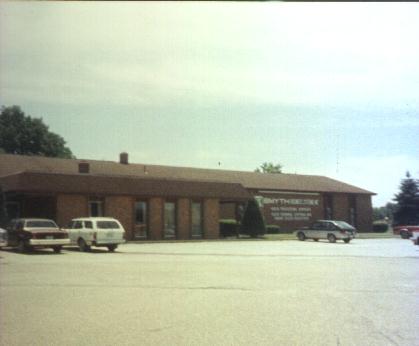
x,y
29,181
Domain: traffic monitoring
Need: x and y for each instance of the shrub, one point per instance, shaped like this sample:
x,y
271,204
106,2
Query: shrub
x,y
380,227
272,229
252,223
228,227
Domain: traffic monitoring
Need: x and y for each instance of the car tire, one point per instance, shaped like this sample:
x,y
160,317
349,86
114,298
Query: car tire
x,y
315,239
21,246
57,249
346,240
404,234
301,236
331,238
112,248
83,247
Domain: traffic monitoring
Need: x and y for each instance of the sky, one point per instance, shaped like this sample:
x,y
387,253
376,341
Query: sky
x,y
322,88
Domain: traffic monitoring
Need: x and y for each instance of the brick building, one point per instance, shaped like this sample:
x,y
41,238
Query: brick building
x,y
163,202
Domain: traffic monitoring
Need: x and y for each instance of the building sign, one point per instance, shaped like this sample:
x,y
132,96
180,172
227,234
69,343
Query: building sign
x,y
288,209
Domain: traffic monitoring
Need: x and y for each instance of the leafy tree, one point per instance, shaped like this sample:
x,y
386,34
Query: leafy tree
x,y
381,213
24,135
253,223
269,167
407,202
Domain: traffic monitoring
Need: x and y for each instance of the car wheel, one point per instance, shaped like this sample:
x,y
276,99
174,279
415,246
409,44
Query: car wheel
x,y
112,248
21,246
57,249
83,246
315,239
346,240
404,234
331,238
301,236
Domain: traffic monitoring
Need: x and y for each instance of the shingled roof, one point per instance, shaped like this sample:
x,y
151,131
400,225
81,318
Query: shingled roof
x,y
13,164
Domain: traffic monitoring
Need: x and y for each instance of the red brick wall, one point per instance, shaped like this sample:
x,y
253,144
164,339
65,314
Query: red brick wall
x,y
364,213
227,210
341,207
211,217
183,218
70,207
156,218
121,208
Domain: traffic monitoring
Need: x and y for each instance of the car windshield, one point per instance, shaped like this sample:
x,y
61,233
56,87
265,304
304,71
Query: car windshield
x,y
107,224
344,225
41,224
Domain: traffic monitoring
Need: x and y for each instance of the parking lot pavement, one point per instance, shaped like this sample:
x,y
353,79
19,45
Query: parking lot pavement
x,y
214,293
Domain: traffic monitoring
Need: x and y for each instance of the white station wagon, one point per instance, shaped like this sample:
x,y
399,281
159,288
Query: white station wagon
x,y
86,232
327,229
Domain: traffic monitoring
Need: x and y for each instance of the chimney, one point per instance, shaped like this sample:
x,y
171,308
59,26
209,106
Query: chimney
x,y
84,167
123,158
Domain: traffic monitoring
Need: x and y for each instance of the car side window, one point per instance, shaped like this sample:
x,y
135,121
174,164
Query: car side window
x,y
317,225
331,226
78,225
88,224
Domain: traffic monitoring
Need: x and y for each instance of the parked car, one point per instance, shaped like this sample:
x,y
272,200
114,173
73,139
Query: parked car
x,y
415,237
405,232
96,231
327,229
28,233
3,237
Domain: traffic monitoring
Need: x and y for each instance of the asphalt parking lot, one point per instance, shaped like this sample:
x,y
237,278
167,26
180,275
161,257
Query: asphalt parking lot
x,y
214,293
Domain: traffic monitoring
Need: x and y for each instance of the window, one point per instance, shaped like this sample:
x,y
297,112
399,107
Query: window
x,y
88,224
328,207
96,208
352,210
196,219
77,225
169,220
141,222
41,224
319,225
12,210
107,225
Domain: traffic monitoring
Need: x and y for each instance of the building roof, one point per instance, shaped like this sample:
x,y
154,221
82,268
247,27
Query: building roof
x,y
13,164
38,182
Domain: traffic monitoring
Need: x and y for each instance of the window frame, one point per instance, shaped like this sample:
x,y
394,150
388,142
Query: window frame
x,y
201,216
165,235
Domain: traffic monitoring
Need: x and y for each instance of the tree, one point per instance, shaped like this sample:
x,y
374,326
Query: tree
x,y
407,202
380,213
24,135
269,167
253,223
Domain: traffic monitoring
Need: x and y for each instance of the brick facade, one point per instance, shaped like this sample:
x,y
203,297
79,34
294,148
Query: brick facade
x,y
211,217
183,218
340,207
70,207
155,227
121,208
364,213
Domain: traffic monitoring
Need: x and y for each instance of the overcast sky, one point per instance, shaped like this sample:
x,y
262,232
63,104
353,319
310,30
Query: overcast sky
x,y
328,89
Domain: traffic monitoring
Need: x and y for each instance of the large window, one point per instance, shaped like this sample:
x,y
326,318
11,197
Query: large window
x,y
96,207
352,210
196,219
141,222
12,210
328,207
169,220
